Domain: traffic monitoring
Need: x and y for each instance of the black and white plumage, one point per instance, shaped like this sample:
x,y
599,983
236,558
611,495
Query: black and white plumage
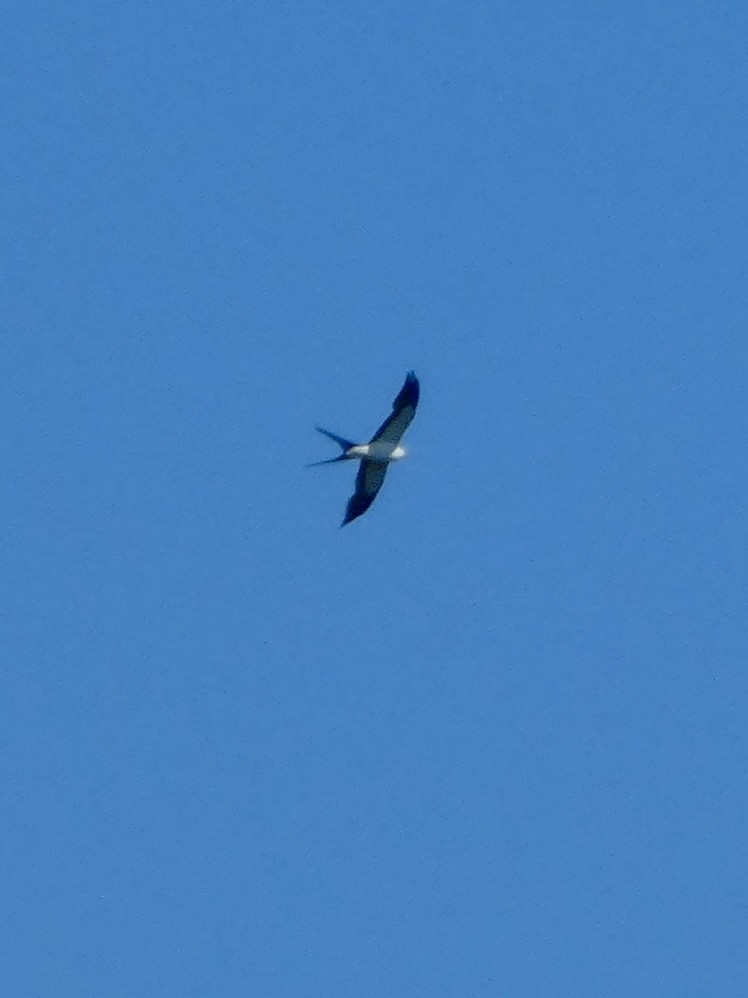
x,y
383,448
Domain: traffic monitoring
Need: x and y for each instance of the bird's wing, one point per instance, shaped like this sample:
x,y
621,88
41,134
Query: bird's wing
x,y
368,482
403,411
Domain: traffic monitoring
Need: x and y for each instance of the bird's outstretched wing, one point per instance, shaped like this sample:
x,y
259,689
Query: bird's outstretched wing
x,y
368,483
403,411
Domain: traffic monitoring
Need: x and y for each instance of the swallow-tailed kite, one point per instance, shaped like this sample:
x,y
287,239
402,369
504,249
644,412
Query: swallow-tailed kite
x,y
383,448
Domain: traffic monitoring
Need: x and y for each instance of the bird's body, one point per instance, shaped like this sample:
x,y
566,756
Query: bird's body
x,y
378,450
376,455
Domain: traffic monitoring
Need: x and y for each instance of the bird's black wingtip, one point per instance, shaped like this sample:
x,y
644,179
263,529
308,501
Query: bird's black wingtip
x,y
410,392
351,515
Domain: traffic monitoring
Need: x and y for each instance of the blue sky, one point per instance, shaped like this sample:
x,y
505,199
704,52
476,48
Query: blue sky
x,y
489,739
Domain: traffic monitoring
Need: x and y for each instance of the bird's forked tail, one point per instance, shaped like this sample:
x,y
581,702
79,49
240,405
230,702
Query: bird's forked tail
x,y
344,444
340,441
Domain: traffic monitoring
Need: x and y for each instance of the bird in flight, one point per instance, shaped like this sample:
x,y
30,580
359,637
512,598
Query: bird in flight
x,y
383,448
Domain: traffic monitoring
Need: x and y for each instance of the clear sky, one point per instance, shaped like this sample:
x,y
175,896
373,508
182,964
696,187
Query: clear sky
x,y
489,739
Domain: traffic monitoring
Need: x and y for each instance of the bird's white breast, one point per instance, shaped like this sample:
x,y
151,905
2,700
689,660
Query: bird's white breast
x,y
380,450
